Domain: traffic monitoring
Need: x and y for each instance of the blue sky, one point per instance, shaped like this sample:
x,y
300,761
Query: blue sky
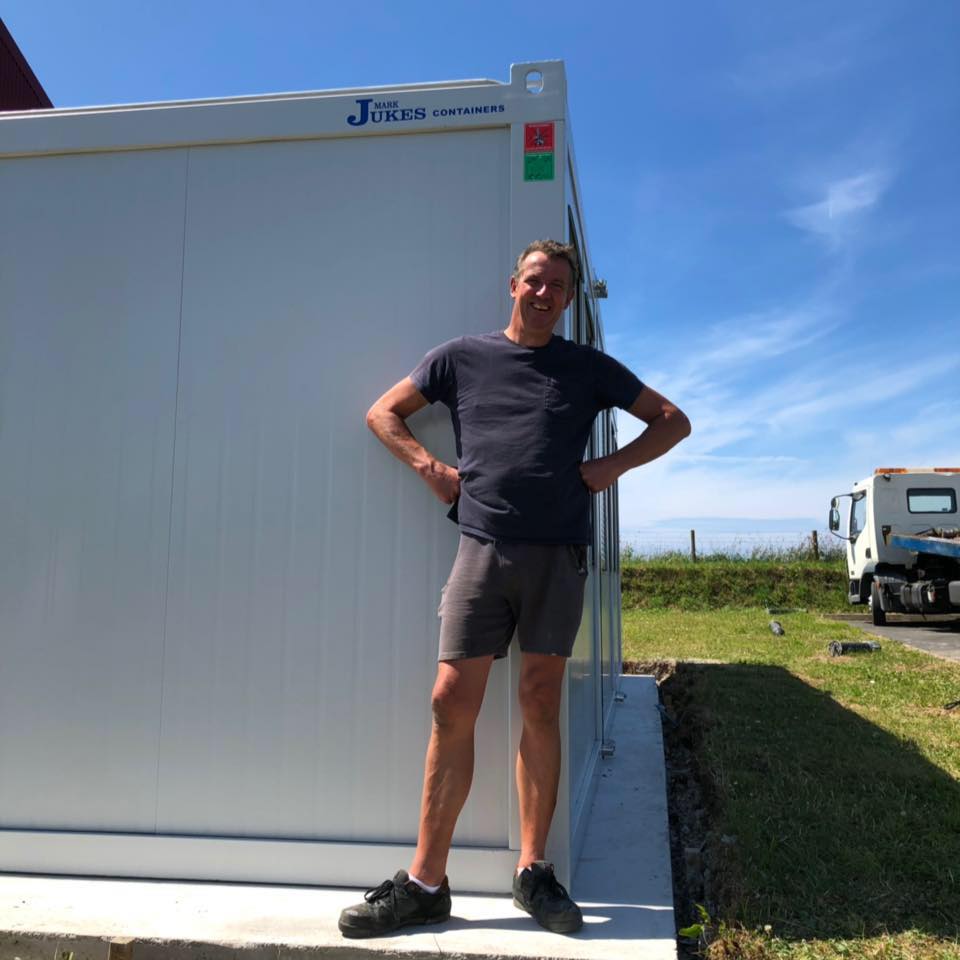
x,y
772,193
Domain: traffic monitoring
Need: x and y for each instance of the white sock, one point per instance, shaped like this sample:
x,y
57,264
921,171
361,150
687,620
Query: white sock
x,y
424,886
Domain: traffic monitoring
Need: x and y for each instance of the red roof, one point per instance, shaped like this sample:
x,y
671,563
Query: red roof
x,y
19,87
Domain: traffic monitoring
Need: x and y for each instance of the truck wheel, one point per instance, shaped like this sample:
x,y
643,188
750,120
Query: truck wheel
x,y
877,612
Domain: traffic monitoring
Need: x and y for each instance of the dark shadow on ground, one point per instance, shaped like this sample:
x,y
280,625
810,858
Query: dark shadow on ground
x,y
606,922
810,818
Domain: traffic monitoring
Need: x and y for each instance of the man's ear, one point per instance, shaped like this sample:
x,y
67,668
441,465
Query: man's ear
x,y
513,284
570,297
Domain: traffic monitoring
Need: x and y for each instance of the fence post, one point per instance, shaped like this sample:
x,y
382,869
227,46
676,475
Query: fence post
x,y
815,544
693,545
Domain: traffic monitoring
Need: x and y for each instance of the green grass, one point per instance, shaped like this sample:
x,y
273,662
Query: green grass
x,y
830,784
719,582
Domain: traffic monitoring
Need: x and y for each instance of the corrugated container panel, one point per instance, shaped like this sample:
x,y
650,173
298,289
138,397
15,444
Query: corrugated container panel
x,y
88,372
302,629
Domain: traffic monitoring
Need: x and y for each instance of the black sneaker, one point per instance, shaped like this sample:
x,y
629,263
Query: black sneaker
x,y
394,904
538,891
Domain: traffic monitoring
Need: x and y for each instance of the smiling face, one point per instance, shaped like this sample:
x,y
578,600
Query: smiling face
x,y
540,294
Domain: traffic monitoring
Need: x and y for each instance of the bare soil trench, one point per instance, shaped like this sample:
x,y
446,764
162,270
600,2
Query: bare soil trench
x,y
692,841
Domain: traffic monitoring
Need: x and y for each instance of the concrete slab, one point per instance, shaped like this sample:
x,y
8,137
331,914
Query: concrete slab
x,y
623,883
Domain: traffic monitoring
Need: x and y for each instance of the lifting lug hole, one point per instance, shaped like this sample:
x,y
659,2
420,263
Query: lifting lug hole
x,y
534,81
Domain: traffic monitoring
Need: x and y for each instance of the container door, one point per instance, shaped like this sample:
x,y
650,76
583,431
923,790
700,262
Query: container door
x,y
90,266
307,563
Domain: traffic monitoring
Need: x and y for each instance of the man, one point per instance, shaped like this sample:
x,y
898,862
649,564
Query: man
x,y
522,403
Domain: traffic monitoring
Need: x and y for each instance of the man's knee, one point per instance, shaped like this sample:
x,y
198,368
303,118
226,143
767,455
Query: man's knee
x,y
453,709
540,699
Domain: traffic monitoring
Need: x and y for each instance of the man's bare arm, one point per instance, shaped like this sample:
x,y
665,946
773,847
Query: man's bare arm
x,y
387,419
667,425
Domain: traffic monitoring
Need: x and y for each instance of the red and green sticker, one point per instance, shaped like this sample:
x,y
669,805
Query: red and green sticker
x,y
538,144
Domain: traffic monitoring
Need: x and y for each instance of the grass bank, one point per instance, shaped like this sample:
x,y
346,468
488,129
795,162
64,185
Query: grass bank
x,y
826,819
731,582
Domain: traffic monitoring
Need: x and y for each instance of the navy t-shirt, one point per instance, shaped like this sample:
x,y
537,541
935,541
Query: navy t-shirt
x,y
522,417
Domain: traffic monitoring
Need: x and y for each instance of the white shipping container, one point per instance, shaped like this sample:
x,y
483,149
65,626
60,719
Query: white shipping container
x,y
218,591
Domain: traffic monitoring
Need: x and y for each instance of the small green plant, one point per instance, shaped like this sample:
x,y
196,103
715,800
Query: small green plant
x,y
697,931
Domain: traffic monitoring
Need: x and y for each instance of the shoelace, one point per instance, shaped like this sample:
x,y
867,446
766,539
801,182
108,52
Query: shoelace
x,y
552,887
379,893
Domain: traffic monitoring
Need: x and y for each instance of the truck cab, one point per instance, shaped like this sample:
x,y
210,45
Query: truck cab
x,y
905,500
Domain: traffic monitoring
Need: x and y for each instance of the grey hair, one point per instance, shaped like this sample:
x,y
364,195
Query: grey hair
x,y
553,249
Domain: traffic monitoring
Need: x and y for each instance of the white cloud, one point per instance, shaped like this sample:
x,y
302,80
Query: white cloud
x,y
732,346
770,490
811,434
716,383
659,491
764,335
844,202
870,387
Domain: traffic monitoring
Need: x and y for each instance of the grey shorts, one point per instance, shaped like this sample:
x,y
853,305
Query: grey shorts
x,y
496,588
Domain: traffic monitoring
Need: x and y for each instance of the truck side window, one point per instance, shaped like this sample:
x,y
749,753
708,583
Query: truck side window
x,y
858,517
931,501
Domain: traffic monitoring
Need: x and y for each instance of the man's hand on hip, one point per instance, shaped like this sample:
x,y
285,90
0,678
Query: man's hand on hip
x,y
599,474
666,427
387,418
442,479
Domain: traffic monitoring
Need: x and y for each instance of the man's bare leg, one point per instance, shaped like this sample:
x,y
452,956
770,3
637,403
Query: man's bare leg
x,y
538,760
448,771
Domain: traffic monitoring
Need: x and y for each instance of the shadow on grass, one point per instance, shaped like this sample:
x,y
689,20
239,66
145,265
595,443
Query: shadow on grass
x,y
819,822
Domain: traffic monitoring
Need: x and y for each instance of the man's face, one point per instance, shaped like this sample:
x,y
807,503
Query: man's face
x,y
542,292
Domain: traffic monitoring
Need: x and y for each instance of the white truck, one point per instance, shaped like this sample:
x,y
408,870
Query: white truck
x,y
903,541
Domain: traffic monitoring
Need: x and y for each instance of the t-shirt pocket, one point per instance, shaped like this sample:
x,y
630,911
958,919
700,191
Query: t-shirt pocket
x,y
563,398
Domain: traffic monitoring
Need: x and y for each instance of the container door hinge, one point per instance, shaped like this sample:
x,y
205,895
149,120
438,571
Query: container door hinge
x,y
608,748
